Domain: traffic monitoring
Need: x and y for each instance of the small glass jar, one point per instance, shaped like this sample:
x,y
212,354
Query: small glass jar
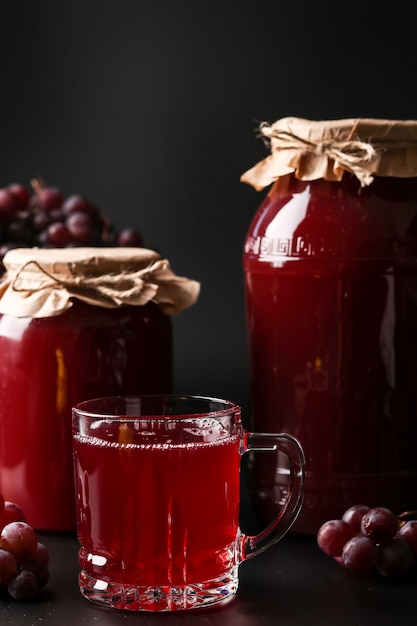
x,y
81,349
330,263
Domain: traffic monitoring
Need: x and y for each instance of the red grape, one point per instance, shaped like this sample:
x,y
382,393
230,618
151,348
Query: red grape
x,y
80,225
57,215
48,198
408,533
40,220
333,535
9,203
379,524
48,219
11,513
360,554
20,539
24,560
58,234
395,558
38,568
21,192
24,586
129,237
8,567
379,540
79,204
41,554
353,516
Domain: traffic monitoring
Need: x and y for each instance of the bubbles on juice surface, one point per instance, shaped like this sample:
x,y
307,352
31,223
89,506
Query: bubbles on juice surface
x,y
156,433
206,430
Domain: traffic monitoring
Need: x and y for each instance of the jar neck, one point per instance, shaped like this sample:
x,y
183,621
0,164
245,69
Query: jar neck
x,y
385,186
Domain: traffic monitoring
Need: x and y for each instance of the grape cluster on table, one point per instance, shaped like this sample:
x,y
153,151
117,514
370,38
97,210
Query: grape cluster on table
x,y
43,217
24,561
366,539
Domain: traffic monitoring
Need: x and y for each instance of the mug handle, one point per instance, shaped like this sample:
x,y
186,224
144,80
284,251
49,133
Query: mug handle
x,y
252,545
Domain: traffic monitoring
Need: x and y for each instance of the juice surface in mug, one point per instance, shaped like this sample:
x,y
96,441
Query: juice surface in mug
x,y
177,503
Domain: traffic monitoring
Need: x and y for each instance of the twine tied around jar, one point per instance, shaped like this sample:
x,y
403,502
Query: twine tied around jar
x,y
44,282
126,287
311,150
352,154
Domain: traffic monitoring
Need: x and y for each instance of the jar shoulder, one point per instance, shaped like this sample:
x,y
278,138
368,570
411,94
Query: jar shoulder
x,y
322,218
83,316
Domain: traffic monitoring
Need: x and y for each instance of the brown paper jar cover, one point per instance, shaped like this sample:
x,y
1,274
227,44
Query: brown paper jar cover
x,y
326,149
42,282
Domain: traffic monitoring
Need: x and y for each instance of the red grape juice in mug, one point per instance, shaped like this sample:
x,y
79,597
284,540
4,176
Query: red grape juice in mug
x,y
158,495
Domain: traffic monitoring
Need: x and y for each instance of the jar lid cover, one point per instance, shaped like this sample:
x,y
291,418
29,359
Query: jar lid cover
x,y
42,282
326,149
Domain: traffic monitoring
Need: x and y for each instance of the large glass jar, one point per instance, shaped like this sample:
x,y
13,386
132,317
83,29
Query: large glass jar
x,y
330,264
74,348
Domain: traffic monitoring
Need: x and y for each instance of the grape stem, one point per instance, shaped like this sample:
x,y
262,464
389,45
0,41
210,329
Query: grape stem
x,y
403,518
37,184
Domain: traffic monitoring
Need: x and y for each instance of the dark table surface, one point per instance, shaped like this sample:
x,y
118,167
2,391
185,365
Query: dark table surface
x,y
292,584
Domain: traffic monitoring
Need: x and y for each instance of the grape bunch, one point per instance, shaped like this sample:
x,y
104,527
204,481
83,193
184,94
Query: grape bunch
x,y
24,561
45,218
371,538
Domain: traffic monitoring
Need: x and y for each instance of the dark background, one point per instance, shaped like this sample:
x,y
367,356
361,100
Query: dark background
x,y
150,108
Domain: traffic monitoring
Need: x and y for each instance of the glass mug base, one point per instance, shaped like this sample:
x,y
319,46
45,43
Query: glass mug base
x,y
159,598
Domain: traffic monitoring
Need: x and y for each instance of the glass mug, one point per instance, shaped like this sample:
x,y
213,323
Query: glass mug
x,y
158,498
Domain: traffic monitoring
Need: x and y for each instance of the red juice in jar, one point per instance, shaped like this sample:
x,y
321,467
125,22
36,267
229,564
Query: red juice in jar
x,y
54,356
165,513
331,300
49,364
